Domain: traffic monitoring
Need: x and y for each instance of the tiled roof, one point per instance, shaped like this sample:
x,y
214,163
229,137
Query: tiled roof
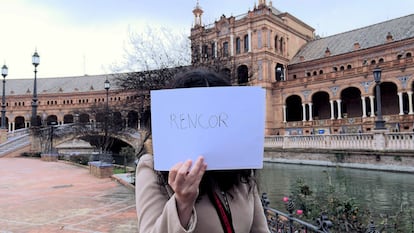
x,y
59,85
370,36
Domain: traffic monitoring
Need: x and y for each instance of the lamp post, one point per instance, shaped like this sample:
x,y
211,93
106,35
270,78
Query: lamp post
x,y
52,125
379,122
4,72
107,85
35,62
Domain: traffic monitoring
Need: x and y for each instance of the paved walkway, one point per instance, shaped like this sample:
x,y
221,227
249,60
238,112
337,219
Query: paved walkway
x,y
43,197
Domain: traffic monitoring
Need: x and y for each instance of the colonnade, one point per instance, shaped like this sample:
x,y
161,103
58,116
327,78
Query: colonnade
x,y
339,114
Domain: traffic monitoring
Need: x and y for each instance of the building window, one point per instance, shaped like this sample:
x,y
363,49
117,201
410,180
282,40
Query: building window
x,y
381,60
276,42
335,69
281,45
315,73
348,67
213,50
226,49
246,43
259,39
238,45
320,71
341,68
373,62
279,72
408,55
204,52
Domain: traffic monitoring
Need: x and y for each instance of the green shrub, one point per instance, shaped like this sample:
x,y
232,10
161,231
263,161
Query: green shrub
x,y
80,159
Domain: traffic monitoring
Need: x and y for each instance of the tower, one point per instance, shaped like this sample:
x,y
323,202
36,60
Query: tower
x,y
197,15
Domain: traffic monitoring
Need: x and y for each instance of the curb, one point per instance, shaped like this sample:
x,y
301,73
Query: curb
x,y
123,182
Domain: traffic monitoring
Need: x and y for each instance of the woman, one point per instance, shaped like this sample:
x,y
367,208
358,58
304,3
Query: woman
x,y
190,199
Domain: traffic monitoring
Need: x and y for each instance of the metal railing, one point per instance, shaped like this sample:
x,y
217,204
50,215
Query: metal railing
x,y
280,222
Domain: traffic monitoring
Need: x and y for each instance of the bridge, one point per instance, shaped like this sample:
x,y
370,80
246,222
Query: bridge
x,y
41,139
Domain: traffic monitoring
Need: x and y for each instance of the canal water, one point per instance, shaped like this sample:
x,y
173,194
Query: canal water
x,y
380,192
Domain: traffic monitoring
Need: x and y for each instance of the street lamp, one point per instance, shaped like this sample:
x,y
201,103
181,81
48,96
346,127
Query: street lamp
x,y
4,72
107,85
35,62
379,122
52,125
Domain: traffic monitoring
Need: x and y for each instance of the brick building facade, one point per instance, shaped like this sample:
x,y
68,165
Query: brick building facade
x,y
314,85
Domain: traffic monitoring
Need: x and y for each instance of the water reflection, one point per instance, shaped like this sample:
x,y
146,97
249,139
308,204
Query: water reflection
x,y
380,192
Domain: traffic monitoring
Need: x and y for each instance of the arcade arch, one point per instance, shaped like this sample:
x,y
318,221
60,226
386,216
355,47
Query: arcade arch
x,y
321,107
293,108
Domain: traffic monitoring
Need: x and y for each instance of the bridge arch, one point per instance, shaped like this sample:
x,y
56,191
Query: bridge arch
x,y
90,132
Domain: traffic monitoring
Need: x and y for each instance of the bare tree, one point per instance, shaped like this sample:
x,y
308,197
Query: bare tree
x,y
152,58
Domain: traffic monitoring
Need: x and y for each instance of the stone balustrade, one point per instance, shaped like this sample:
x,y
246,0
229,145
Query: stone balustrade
x,y
375,141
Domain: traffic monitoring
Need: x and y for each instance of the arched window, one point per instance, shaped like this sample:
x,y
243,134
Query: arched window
x,y
348,67
226,49
408,55
242,74
315,73
335,69
238,45
341,68
279,72
320,71
213,50
276,43
381,60
204,51
281,45
373,62
246,43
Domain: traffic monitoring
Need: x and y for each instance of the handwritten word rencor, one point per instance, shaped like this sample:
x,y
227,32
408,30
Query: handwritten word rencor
x,y
198,120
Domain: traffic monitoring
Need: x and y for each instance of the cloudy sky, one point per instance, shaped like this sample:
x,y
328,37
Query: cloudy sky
x,y
77,37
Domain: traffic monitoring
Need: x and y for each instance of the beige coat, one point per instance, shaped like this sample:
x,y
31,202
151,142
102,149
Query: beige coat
x,y
157,213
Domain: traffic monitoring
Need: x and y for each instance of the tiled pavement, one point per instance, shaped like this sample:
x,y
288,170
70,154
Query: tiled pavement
x,y
43,197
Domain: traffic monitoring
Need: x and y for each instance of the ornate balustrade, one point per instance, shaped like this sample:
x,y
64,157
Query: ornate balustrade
x,y
383,141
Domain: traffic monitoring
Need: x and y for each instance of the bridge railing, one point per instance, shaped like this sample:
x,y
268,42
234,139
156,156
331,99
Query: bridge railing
x,y
17,133
360,141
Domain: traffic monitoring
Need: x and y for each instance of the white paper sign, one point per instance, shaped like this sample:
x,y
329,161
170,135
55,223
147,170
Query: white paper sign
x,y
223,124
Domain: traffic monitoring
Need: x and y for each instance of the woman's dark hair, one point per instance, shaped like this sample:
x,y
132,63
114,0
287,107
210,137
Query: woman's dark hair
x,y
226,179
199,78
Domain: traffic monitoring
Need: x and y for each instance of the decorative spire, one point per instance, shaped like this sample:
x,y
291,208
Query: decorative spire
x,y
262,2
197,14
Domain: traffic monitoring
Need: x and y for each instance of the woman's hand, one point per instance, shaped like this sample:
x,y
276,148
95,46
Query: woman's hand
x,y
185,183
